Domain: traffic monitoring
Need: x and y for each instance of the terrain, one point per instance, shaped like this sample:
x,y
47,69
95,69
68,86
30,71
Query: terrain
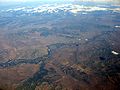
x,y
60,47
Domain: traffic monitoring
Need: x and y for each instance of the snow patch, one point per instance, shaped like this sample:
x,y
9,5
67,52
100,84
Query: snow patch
x,y
115,53
117,26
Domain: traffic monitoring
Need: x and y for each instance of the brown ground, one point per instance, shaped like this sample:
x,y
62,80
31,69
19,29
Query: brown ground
x,y
10,77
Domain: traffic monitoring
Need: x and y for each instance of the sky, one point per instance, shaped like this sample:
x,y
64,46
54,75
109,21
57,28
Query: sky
x,y
16,0
26,0
51,0
2,1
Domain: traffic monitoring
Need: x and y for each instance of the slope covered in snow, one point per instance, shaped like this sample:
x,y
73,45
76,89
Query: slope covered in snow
x,y
52,8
